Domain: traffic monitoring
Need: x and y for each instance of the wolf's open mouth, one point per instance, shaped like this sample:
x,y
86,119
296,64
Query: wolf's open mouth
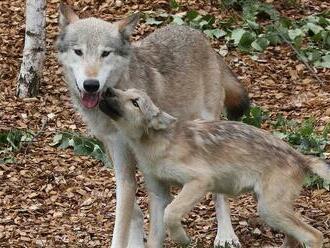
x,y
89,100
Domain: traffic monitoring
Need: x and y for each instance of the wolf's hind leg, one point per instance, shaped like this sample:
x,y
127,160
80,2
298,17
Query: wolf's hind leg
x,y
190,194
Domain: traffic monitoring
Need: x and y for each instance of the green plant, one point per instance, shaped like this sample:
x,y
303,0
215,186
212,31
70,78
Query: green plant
x,y
305,138
309,37
81,145
255,116
302,136
11,142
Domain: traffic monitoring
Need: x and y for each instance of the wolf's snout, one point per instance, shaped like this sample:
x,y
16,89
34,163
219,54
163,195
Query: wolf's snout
x,y
91,85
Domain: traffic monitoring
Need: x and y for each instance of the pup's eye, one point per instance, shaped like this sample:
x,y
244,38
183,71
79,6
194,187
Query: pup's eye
x,y
78,52
105,54
135,103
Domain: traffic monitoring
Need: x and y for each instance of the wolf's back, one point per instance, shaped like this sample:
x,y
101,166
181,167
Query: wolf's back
x,y
182,46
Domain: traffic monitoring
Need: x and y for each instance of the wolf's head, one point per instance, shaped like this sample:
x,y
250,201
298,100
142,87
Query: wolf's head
x,y
134,112
94,53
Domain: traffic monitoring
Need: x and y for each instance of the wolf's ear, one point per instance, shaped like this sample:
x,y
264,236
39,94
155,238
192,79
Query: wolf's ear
x,y
67,15
162,121
126,26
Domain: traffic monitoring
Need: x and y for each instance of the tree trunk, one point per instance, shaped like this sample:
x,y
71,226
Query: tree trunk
x,y
34,49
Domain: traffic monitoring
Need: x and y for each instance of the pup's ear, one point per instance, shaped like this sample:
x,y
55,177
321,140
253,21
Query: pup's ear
x,y
127,25
162,121
67,15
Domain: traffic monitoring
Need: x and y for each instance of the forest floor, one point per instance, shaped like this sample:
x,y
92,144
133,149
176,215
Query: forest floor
x,y
53,198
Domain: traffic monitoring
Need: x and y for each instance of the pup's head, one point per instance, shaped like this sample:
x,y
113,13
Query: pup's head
x,y
93,52
134,112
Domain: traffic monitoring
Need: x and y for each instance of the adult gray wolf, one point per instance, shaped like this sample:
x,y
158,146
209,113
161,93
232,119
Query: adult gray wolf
x,y
214,156
180,71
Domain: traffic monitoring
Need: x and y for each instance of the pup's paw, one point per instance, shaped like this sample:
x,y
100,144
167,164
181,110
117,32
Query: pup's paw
x,y
227,242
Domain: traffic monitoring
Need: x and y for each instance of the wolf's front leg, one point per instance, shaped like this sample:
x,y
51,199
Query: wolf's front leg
x,y
160,197
128,230
189,196
226,236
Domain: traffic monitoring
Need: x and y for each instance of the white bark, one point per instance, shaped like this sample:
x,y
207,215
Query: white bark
x,y
34,49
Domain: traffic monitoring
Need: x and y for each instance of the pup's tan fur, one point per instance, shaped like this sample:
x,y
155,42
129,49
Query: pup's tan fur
x,y
219,156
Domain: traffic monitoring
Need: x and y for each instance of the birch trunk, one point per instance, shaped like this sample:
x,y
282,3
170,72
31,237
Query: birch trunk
x,y
34,49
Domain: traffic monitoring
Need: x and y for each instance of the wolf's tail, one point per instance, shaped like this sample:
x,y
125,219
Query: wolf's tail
x,y
237,101
319,167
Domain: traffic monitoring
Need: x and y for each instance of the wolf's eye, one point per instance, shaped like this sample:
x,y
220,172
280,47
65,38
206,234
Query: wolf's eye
x,y
105,54
78,52
135,103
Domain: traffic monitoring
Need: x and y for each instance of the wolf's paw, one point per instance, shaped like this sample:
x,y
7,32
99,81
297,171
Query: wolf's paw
x,y
227,242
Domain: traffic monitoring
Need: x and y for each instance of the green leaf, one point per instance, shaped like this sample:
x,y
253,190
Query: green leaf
x,y
313,27
81,145
313,19
174,4
8,160
255,117
274,38
191,15
252,24
215,33
294,33
237,34
178,20
153,21
57,139
260,44
246,41
163,15
325,61
280,135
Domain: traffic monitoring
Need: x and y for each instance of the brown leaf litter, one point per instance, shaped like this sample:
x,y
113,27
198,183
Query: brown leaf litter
x,y
52,198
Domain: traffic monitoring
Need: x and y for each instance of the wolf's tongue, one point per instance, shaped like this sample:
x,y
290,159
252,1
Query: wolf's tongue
x,y
90,100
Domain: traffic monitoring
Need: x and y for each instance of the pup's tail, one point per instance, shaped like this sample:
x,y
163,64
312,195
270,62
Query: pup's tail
x,y
237,101
319,167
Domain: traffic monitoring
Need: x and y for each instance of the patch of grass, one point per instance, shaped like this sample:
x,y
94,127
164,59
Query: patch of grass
x,y
302,136
81,145
11,142
310,36
255,116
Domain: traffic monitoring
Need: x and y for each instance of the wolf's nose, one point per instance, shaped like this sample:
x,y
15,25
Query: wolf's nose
x,y
91,85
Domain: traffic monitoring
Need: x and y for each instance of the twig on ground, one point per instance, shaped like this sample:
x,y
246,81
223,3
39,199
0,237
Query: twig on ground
x,y
44,122
301,58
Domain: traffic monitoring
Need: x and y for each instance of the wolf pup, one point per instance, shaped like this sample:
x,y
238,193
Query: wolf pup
x,y
214,156
180,71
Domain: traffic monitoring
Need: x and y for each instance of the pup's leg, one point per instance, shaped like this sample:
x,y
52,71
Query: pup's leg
x,y
128,230
190,194
225,234
160,197
275,207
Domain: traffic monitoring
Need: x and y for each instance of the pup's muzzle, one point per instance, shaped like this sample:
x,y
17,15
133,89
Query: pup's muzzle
x,y
110,92
110,104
